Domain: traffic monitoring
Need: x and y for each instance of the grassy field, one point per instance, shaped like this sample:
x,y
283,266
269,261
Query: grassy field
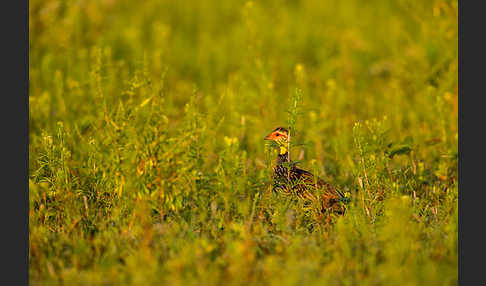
x,y
147,164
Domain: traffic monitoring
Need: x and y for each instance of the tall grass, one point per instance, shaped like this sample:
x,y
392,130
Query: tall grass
x,y
147,163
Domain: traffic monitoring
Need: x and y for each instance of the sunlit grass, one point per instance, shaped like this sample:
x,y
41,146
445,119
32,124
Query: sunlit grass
x,y
147,163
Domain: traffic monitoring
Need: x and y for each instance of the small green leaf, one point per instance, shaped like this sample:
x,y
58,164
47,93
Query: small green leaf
x,y
399,150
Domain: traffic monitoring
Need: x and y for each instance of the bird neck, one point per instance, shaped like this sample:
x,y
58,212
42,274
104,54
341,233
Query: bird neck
x,y
282,158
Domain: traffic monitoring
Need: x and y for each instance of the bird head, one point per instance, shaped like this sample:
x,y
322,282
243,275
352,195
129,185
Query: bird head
x,y
280,136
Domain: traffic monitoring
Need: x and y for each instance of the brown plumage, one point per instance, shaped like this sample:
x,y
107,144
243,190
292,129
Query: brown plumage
x,y
292,181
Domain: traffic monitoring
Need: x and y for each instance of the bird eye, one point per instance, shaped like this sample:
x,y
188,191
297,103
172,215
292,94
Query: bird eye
x,y
278,134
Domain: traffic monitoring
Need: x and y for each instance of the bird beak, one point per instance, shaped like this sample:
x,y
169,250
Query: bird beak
x,y
269,137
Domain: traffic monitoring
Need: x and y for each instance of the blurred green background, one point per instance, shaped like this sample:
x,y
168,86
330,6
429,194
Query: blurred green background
x,y
147,163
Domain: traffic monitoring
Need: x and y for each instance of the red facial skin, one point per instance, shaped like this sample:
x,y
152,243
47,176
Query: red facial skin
x,y
277,135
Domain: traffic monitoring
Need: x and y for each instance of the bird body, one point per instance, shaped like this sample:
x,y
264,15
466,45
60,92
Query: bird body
x,y
295,182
